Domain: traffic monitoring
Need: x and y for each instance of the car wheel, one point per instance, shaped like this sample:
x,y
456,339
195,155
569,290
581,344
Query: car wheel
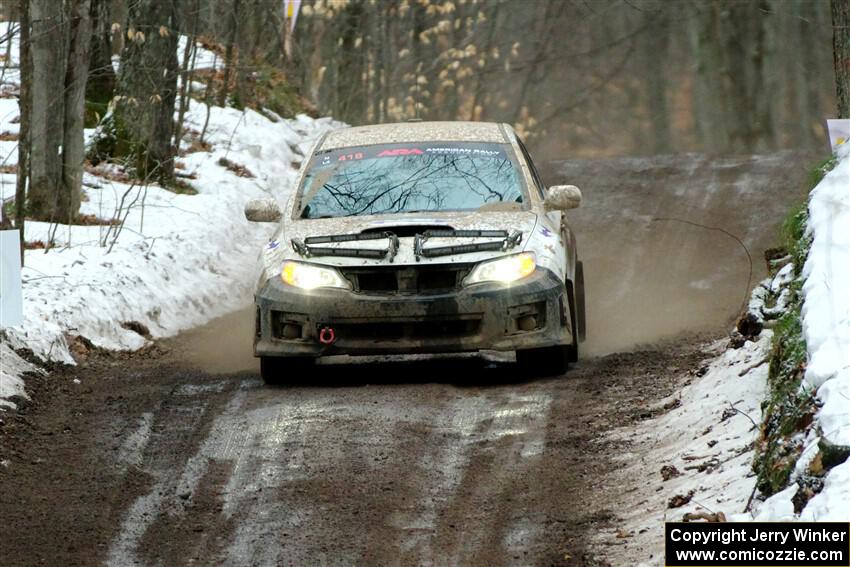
x,y
582,321
547,361
277,370
572,350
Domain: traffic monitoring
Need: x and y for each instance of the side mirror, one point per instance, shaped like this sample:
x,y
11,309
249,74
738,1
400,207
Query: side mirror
x,y
262,210
562,198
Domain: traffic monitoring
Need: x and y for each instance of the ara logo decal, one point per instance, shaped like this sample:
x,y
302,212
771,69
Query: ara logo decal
x,y
401,152
545,232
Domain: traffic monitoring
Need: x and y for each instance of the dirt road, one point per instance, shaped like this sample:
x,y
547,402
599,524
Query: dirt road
x,y
179,455
438,461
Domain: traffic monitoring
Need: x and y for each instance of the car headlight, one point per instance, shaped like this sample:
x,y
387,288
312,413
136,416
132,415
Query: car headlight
x,y
504,270
308,276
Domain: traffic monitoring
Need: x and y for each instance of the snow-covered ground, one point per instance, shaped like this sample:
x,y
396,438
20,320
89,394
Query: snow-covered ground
x,y
826,327
179,260
710,434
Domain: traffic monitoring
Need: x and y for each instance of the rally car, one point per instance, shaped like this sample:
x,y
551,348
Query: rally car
x,y
420,237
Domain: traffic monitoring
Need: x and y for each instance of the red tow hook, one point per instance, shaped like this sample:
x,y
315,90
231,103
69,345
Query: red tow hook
x,y
327,336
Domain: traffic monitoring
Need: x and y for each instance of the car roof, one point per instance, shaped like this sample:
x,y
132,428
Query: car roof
x,y
411,132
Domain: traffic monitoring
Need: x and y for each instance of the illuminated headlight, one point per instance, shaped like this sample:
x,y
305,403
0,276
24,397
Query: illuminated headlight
x,y
308,276
504,270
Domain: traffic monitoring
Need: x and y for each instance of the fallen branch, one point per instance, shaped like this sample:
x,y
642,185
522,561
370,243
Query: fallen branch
x,y
732,407
752,367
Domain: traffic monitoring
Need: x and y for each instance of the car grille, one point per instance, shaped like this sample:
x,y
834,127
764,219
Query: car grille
x,y
407,279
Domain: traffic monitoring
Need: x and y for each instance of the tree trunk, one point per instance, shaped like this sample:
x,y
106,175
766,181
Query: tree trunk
x,y
711,92
24,137
100,87
841,54
353,99
144,115
478,91
229,53
73,141
655,46
187,69
48,49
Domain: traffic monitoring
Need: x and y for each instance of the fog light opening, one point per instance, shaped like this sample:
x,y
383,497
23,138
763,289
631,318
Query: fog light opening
x,y
526,323
291,331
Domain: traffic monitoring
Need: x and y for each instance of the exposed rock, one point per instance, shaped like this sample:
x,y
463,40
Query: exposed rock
x,y
680,500
750,325
670,471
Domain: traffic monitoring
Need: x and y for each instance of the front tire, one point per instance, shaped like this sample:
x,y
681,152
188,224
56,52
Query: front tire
x,y
581,319
278,370
572,350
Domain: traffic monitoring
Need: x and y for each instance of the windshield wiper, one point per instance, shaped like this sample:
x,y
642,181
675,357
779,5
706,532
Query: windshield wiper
x,y
508,241
307,249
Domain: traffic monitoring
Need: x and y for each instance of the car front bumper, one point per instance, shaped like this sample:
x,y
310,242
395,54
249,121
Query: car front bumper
x,y
531,313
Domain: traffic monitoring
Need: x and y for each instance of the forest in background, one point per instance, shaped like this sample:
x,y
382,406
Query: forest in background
x,y
603,77
576,78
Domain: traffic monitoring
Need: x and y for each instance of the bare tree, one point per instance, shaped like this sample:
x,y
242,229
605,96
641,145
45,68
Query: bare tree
x,y
147,89
25,104
101,82
47,47
73,142
230,51
841,54
53,92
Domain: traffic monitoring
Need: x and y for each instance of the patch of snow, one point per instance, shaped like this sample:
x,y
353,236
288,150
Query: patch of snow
x,y
204,58
179,261
12,368
807,456
777,508
834,415
713,427
783,277
830,505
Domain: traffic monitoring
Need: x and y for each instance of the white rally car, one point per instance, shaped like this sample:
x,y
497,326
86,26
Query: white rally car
x,y
419,237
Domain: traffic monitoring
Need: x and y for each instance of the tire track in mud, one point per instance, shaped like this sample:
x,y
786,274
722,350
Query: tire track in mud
x,y
167,440
464,462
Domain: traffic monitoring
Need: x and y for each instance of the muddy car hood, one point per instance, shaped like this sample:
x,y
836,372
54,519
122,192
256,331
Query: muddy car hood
x,y
280,248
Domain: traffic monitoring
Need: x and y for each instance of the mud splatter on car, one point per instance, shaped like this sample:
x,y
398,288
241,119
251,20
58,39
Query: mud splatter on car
x,y
418,238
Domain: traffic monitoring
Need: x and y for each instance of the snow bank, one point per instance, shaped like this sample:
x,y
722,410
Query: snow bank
x,y
179,261
708,437
826,327
826,292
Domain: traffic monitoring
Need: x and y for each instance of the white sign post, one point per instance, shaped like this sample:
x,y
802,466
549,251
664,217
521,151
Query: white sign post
x,y
11,295
839,132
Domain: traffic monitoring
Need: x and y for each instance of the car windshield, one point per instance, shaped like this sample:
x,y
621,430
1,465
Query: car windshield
x,y
386,179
